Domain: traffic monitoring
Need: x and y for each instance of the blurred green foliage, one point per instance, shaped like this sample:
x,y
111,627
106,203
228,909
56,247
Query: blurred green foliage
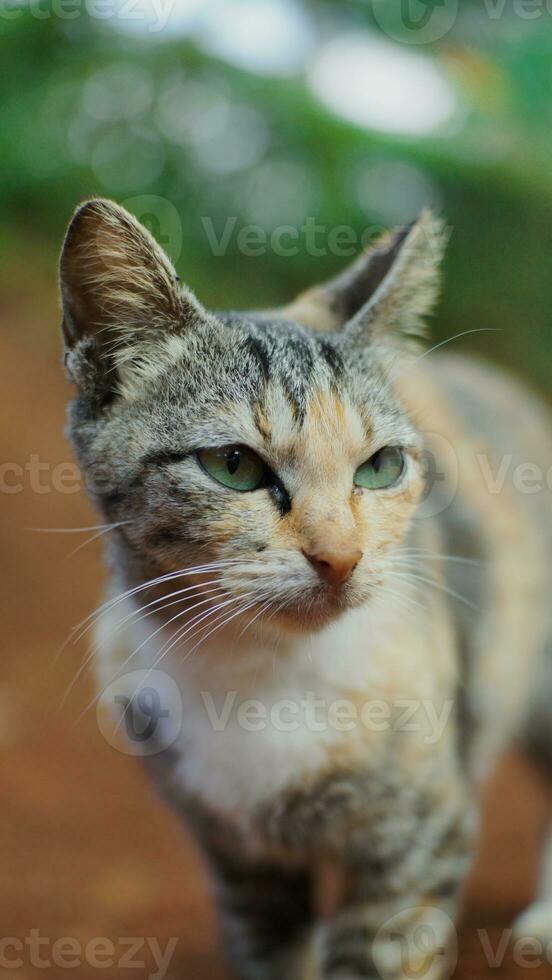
x,y
86,109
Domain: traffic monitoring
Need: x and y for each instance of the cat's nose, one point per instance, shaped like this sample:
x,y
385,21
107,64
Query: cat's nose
x,y
335,566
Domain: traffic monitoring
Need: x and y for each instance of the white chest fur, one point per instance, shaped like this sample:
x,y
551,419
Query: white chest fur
x,y
251,724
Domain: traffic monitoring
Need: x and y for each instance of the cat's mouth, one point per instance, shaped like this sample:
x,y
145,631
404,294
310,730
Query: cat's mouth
x,y
312,610
288,600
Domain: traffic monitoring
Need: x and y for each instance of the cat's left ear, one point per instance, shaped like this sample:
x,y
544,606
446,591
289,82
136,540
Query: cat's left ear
x,y
389,289
120,296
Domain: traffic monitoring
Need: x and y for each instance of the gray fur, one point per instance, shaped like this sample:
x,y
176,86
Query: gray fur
x,y
158,378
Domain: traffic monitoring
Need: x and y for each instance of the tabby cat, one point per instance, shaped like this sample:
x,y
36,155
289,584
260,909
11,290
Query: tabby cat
x,y
319,535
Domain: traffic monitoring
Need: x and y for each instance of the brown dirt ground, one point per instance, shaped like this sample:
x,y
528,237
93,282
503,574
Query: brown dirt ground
x,y
85,848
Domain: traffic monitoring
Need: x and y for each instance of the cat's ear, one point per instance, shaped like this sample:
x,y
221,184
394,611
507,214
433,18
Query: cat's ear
x,y
389,288
119,290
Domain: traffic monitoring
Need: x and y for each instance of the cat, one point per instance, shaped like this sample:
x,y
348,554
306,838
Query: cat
x,y
310,539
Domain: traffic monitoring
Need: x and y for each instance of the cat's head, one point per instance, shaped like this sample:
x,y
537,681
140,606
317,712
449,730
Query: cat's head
x,y
274,444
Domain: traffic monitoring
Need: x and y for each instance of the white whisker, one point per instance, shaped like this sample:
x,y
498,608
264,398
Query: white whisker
x,y
412,577
76,530
418,553
225,622
165,650
94,537
141,613
88,622
139,648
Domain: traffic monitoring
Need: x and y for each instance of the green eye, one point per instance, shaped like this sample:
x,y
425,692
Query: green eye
x,y
236,467
382,470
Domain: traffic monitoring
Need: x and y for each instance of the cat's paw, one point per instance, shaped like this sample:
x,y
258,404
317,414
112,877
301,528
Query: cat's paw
x,y
535,922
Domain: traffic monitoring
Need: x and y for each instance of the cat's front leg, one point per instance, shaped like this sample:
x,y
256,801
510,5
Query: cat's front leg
x,y
396,919
388,942
265,916
402,848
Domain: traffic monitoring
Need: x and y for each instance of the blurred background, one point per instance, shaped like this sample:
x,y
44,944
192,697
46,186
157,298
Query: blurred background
x,y
211,116
263,142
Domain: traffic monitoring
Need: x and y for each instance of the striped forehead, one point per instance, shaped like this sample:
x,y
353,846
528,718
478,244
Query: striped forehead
x,y
333,430
289,356
310,400
329,426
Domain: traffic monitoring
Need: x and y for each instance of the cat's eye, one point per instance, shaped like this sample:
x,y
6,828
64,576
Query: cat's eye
x,y
236,467
382,470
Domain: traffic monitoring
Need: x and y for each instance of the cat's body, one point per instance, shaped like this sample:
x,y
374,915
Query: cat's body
x,y
373,650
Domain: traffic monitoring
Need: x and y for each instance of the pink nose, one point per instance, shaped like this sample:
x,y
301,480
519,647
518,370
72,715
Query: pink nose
x,y
335,566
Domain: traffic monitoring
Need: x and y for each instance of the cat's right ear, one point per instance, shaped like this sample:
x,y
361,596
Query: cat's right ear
x,y
120,294
387,289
